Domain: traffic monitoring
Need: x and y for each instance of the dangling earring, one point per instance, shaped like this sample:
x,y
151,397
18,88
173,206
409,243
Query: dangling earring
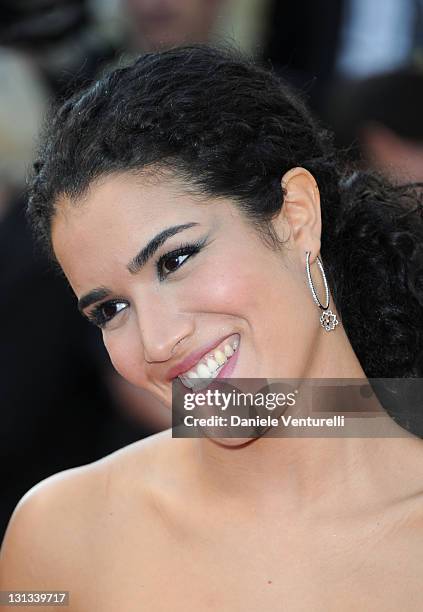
x,y
328,319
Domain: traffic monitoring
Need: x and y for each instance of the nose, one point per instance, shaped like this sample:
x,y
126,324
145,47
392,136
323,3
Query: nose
x,y
162,328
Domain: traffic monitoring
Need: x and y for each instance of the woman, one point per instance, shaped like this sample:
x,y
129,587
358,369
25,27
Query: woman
x,y
185,197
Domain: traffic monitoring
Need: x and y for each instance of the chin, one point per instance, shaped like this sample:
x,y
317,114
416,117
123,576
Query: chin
x,y
232,442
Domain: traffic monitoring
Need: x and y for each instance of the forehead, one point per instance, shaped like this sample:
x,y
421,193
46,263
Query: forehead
x,y
119,214
118,198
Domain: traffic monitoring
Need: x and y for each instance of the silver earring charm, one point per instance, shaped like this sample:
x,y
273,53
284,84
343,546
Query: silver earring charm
x,y
328,319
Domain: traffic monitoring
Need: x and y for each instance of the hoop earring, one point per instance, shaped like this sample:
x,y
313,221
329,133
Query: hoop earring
x,y
328,319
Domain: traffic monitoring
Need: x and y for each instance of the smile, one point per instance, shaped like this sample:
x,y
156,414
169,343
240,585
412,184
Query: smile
x,y
211,364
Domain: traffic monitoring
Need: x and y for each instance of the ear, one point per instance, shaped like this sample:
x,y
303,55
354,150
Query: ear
x,y
301,211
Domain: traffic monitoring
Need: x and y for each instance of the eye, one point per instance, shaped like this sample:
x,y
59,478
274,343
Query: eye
x,y
103,313
170,262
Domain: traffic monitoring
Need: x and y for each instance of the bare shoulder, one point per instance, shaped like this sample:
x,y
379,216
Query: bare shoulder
x,y
61,523
35,537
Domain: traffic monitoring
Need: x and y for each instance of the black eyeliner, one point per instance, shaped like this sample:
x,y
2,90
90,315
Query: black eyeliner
x,y
187,248
96,317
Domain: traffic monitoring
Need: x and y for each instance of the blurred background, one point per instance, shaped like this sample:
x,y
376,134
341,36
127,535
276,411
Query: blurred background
x,y
359,64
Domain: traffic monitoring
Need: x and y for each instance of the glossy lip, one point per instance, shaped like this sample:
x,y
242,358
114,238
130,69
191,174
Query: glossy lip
x,y
225,372
187,364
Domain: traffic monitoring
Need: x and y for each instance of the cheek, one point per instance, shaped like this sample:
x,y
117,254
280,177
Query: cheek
x,y
255,289
272,302
224,292
126,354
232,283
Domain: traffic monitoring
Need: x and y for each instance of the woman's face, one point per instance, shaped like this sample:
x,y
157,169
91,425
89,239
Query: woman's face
x,y
224,285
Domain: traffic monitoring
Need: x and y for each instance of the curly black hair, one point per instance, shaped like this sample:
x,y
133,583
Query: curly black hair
x,y
230,128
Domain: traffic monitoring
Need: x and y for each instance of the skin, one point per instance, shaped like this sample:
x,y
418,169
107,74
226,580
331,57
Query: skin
x,y
322,524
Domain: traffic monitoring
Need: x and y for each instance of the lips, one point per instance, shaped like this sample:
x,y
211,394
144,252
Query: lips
x,y
206,380
191,360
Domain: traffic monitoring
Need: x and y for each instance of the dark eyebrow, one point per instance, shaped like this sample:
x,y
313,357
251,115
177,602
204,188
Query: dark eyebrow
x,y
93,296
148,251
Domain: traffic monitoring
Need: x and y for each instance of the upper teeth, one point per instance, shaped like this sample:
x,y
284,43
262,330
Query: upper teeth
x,y
209,366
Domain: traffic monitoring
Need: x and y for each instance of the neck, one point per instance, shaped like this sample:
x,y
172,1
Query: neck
x,y
294,471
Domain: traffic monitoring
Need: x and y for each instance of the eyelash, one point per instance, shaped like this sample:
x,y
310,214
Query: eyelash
x,y
188,248
97,317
